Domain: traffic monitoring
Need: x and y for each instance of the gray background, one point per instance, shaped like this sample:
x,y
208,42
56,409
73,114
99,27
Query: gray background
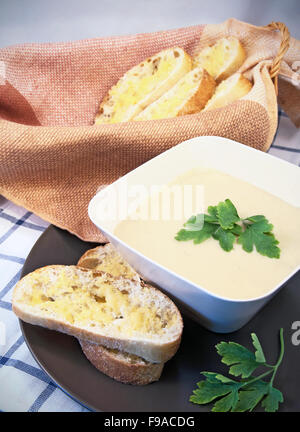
x,y
62,20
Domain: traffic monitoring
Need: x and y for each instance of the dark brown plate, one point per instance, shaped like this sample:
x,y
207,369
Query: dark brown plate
x,y
62,359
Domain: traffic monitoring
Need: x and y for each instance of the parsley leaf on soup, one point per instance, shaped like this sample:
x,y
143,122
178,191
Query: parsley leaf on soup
x,y
197,235
258,233
225,237
222,223
227,214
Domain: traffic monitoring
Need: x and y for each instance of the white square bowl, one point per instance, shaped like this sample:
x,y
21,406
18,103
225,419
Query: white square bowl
x,y
267,172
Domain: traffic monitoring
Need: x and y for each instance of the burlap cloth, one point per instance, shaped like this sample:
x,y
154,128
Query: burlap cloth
x,y
53,160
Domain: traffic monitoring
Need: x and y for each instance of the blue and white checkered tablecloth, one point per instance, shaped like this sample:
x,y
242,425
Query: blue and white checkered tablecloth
x,y
23,385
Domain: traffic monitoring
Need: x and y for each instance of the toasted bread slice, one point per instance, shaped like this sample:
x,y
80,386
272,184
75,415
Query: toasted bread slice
x,y
231,89
221,59
142,85
107,259
121,366
115,312
189,95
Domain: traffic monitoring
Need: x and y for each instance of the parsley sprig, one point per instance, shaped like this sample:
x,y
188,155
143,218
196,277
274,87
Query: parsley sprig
x,y
223,223
246,394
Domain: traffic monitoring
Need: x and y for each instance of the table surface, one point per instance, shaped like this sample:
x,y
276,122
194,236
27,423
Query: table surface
x,y
24,386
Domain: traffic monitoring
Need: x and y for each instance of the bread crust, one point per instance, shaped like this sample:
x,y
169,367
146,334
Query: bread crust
x,y
92,259
117,367
240,88
202,88
152,351
204,92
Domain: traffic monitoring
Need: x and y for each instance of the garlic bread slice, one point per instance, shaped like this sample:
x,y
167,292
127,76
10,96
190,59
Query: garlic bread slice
x,y
231,89
189,95
221,59
142,85
118,313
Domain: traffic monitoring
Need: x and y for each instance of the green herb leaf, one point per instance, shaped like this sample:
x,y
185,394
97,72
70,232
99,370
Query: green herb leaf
x,y
237,229
227,214
271,402
241,360
227,403
197,235
259,354
184,235
225,237
250,398
212,215
216,378
213,387
258,234
246,394
195,223
208,391
224,224
205,233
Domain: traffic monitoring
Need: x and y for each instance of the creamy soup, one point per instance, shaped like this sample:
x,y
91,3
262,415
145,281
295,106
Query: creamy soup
x,y
235,274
